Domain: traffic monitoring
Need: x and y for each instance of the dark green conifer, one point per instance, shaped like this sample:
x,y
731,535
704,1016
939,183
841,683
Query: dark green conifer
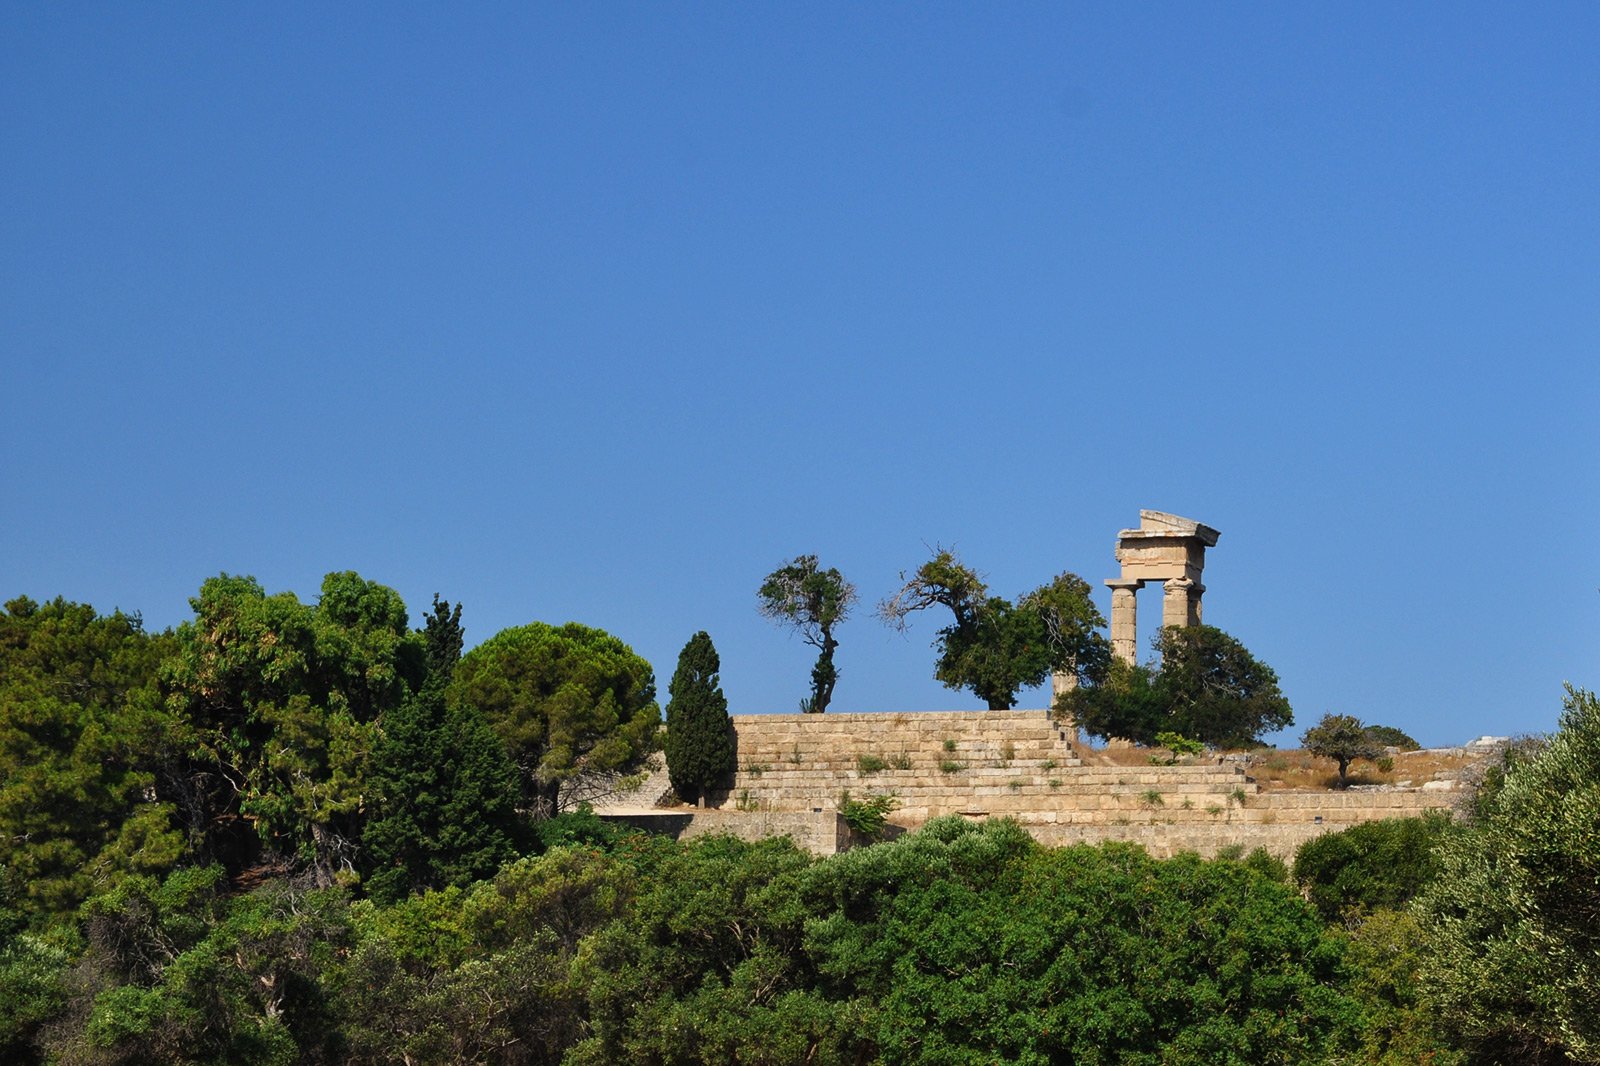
x,y
699,743
445,788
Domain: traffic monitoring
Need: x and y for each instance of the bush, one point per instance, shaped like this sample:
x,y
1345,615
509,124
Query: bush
x,y
1513,919
1388,736
1370,865
867,816
870,764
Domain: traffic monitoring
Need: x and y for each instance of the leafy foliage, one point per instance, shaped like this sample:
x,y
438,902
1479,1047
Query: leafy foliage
x,y
995,647
80,733
180,972
1513,920
568,702
869,815
699,738
1387,736
1215,690
1371,865
444,799
279,703
1179,745
1342,738
812,601
444,792
1208,687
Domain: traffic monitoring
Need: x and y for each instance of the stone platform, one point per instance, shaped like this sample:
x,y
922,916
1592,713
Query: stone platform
x,y
794,769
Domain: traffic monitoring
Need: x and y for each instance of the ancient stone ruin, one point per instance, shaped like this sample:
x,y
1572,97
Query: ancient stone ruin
x,y
1168,549
795,770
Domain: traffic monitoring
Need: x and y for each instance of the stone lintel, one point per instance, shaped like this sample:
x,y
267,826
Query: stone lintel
x,y
1160,523
1124,583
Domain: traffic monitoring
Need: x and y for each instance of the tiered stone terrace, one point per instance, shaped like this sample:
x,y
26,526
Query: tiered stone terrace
x,y
1018,764
793,771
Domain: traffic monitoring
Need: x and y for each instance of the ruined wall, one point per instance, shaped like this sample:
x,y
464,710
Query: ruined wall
x,y
793,770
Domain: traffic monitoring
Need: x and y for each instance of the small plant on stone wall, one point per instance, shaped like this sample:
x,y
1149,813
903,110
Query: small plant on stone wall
x,y
901,761
745,801
1016,783
1188,804
1238,796
868,815
1055,782
1213,810
949,766
1151,797
756,769
1008,751
949,744
1178,745
867,763
1049,764
794,755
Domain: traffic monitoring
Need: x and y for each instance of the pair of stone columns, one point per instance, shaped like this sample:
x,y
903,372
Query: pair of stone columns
x,y
1180,606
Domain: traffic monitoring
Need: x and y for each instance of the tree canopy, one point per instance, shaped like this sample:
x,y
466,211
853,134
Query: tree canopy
x,y
79,733
569,702
1207,687
1513,918
278,703
1342,738
995,647
442,790
812,601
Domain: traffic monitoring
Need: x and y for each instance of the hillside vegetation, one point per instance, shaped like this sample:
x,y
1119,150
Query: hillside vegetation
x,y
307,833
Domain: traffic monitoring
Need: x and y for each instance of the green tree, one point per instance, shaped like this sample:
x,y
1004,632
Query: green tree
x,y
279,703
1513,919
181,971
1370,866
699,737
569,702
1206,686
1215,690
80,737
994,647
811,601
1342,738
444,792
1127,704
482,974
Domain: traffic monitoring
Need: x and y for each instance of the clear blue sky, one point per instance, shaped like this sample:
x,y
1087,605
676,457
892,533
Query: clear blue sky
x,y
599,312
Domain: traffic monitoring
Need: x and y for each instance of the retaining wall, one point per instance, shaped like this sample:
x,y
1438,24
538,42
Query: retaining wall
x,y
794,770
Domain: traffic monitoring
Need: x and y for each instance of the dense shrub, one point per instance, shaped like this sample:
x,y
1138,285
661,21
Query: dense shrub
x,y
1369,865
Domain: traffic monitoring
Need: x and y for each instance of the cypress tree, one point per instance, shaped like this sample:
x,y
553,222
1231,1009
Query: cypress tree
x,y
446,789
699,743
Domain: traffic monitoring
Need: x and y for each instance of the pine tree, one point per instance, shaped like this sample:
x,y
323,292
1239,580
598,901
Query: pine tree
x,y
699,743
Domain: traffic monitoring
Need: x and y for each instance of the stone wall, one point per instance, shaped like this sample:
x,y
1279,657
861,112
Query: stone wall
x,y
794,769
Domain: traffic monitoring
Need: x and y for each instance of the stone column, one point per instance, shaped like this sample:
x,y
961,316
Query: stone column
x,y
1124,620
1176,604
1194,603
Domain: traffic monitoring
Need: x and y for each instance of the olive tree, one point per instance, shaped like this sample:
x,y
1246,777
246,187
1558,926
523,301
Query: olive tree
x,y
1513,919
1342,738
